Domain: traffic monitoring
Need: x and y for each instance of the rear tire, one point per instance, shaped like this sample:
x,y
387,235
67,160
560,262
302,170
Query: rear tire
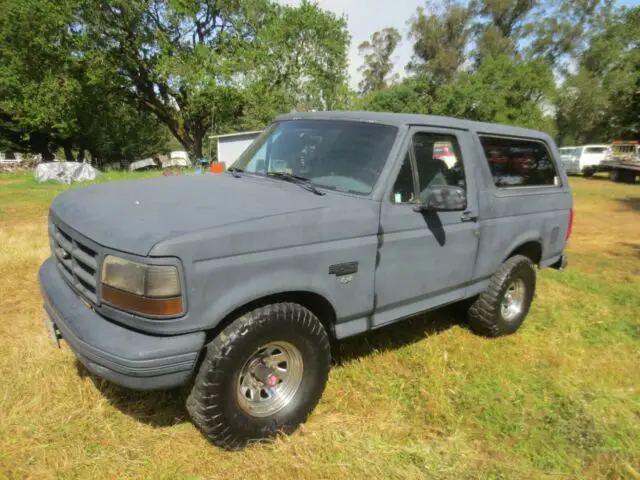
x,y
615,175
503,306
628,176
261,375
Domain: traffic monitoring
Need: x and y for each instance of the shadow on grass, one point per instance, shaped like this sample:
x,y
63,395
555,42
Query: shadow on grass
x,y
634,247
633,203
167,408
156,408
398,335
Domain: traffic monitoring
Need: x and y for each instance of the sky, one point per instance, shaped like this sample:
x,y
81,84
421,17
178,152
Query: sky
x,y
365,17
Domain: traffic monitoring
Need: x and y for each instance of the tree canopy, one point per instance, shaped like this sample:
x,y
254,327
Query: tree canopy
x,y
118,79
378,62
569,67
189,67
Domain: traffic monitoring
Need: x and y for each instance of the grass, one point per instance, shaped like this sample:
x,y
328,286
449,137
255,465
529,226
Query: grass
x,y
423,398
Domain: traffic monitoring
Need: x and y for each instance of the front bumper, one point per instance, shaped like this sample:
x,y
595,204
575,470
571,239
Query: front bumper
x,y
126,357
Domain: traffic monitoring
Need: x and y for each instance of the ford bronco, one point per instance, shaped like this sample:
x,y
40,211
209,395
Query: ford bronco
x,y
329,225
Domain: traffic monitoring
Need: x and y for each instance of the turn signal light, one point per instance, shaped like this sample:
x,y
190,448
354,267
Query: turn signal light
x,y
143,305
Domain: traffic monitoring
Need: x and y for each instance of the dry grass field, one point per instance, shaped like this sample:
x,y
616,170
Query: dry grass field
x,y
422,399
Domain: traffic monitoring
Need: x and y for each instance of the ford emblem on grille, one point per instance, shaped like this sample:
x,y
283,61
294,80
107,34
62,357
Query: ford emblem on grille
x,y
64,255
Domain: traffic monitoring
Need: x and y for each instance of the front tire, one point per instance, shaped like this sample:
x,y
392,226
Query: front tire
x,y
503,306
263,374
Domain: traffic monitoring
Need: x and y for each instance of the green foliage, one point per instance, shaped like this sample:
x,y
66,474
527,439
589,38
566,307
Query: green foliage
x,y
92,75
502,90
192,62
601,100
441,35
409,96
500,26
377,59
115,78
38,87
54,93
561,30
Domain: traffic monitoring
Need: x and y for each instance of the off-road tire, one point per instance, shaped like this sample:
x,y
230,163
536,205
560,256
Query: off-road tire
x,y
484,315
588,172
213,403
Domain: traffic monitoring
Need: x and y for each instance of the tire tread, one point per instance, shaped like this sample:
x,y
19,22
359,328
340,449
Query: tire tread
x,y
201,403
482,313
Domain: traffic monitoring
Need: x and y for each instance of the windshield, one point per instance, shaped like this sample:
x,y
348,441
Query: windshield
x,y
567,150
339,155
595,150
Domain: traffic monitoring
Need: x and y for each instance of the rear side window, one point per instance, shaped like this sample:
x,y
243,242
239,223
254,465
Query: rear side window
x,y
519,163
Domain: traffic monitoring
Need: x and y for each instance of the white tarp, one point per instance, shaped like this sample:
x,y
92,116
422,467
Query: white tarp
x,y
65,172
177,158
140,164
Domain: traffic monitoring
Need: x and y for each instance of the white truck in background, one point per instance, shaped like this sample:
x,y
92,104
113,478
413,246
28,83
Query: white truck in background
x,y
584,160
622,161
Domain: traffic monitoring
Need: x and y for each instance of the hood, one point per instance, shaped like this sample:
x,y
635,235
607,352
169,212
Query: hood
x,y
132,216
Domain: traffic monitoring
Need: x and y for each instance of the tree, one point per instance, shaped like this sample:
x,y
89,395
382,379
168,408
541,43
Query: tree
x,y
501,26
56,93
180,60
561,30
441,35
377,59
408,96
301,60
38,85
502,90
601,100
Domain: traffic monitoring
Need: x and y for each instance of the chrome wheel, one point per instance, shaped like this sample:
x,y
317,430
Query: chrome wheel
x,y
513,300
269,379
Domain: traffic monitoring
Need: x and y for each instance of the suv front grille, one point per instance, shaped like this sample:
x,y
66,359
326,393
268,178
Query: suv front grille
x,y
77,262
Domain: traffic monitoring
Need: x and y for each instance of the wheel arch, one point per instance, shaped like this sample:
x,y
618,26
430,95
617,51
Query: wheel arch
x,y
532,249
319,305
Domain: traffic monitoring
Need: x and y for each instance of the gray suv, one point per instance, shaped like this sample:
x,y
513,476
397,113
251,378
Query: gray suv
x,y
329,225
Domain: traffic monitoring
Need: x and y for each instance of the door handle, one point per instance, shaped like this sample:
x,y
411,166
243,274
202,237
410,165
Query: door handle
x,y
468,216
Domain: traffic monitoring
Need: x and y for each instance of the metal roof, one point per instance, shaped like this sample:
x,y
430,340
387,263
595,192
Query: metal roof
x,y
239,134
399,119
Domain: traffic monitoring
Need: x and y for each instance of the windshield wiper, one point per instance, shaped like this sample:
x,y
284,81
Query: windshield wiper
x,y
235,171
297,179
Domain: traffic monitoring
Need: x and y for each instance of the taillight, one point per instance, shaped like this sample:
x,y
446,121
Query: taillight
x,y
570,223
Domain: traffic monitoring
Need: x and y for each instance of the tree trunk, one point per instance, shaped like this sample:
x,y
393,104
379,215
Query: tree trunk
x,y
81,155
68,152
197,146
40,144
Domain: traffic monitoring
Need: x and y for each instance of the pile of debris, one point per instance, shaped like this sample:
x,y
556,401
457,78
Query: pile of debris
x,y
65,172
19,163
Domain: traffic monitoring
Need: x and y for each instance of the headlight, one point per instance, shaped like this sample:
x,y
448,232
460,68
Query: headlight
x,y
140,288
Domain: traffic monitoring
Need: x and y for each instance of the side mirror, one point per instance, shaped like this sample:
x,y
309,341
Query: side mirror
x,y
442,198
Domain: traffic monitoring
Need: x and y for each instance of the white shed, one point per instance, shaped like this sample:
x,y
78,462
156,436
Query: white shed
x,y
231,146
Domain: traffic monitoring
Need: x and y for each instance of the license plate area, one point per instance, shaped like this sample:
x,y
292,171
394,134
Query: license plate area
x,y
54,335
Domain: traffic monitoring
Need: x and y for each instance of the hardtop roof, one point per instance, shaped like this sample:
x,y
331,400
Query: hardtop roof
x,y
401,119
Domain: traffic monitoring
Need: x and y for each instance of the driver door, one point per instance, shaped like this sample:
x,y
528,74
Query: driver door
x,y
426,259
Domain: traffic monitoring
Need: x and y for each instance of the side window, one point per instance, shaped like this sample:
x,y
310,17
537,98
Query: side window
x,y
403,188
519,163
438,162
